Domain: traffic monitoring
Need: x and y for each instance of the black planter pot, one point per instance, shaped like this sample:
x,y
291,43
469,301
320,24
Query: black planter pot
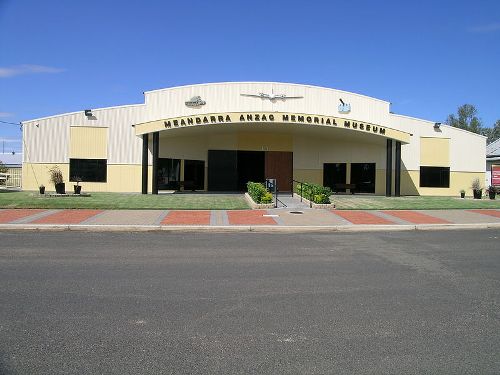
x,y
462,195
77,188
477,194
61,188
42,189
492,194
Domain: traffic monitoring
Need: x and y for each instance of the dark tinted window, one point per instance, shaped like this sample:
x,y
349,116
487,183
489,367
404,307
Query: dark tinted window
x,y
89,170
435,177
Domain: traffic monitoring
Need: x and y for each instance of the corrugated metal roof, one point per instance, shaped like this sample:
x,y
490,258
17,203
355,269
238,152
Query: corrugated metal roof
x,y
493,149
9,159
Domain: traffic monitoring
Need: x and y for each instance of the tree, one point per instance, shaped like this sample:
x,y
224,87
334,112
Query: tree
x,y
466,118
492,133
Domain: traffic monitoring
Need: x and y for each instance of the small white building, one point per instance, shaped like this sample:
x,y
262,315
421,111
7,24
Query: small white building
x,y
492,159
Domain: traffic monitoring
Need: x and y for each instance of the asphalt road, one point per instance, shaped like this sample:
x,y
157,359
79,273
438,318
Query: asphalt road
x,y
161,303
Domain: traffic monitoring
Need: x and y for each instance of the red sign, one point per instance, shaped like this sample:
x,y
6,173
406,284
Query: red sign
x,y
495,175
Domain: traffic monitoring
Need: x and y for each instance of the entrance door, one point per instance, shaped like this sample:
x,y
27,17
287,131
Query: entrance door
x,y
194,174
363,176
279,165
250,168
334,175
222,170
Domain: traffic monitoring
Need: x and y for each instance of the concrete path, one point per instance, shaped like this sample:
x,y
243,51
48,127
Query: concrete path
x,y
290,218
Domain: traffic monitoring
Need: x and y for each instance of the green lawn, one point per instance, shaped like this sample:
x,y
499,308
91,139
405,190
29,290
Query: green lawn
x,y
370,202
126,201
188,201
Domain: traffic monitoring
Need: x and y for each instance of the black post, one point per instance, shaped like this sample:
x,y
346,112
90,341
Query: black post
x,y
397,176
388,169
156,153
145,152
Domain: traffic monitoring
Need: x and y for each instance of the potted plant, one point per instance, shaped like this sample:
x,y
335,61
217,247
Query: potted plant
x,y
462,193
77,188
56,177
41,188
476,188
491,192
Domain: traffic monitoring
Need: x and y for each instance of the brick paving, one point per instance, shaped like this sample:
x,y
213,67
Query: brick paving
x,y
128,217
362,217
494,213
67,217
10,215
253,217
187,218
280,217
415,217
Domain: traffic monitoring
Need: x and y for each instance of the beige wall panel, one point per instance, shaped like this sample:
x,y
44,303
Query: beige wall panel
x,y
308,175
311,153
380,182
88,143
222,142
193,148
265,142
435,152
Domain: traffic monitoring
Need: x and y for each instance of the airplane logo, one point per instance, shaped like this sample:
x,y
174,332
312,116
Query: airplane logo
x,y
272,97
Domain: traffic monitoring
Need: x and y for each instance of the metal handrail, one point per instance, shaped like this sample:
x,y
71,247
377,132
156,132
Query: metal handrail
x,y
301,190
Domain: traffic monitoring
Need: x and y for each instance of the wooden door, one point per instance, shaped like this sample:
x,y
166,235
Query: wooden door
x,y
279,165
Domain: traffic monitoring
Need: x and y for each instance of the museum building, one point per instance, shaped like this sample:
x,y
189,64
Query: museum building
x,y
218,136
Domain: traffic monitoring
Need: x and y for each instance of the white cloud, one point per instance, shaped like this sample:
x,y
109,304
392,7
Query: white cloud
x,y
27,69
6,114
489,28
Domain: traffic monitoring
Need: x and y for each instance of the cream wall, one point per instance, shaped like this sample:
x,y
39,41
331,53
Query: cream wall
x,y
226,97
467,151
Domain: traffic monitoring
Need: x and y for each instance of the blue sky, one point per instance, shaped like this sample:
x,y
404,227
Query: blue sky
x,y
426,57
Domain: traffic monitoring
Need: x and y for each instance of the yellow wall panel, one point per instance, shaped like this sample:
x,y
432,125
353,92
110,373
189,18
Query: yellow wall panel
x,y
88,142
435,152
120,178
410,181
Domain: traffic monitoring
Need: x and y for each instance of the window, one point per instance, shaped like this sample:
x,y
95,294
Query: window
x,y
435,177
89,170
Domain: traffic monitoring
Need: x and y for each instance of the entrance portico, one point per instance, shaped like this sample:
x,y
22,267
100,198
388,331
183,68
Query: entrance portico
x,y
234,148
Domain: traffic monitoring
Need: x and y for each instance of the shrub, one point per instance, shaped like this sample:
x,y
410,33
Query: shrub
x,y
321,199
259,193
317,193
476,184
267,198
56,176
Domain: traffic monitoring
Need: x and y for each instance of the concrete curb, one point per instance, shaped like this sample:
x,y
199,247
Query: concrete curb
x,y
242,228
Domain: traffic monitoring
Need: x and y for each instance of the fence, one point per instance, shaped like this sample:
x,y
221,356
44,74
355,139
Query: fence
x,y
14,179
